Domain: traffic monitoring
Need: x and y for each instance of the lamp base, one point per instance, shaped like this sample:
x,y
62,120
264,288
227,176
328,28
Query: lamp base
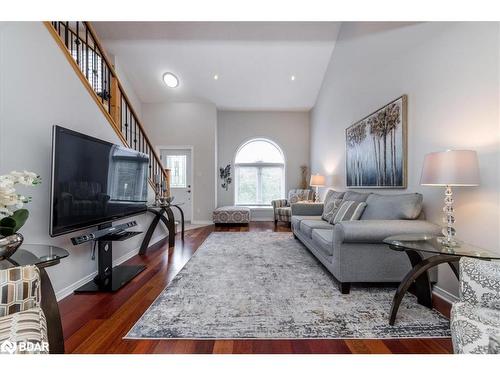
x,y
316,195
448,242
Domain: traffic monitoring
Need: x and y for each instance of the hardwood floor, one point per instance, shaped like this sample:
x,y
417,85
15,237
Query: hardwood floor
x,y
96,323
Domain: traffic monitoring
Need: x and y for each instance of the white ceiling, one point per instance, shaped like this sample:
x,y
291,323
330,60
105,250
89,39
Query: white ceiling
x,y
254,61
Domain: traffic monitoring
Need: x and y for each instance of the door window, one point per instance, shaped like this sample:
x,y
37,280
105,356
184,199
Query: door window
x,y
177,166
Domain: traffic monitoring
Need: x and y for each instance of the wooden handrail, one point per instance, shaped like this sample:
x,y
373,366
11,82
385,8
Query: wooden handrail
x,y
111,97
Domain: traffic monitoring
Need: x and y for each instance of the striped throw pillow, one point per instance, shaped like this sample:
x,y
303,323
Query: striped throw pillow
x,y
348,211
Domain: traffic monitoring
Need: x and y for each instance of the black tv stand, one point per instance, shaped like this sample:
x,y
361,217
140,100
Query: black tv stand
x,y
109,278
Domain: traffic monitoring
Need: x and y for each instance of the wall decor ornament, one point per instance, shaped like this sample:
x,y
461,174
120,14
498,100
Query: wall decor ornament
x,y
376,148
304,174
225,175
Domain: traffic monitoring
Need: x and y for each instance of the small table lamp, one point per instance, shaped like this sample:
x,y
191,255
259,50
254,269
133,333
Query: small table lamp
x,y
450,168
317,181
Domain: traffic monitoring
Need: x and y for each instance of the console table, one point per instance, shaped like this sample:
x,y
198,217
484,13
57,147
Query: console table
x,y
43,256
416,244
165,214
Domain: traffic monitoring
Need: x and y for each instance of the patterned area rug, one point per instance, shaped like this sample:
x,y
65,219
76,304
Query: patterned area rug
x,y
268,285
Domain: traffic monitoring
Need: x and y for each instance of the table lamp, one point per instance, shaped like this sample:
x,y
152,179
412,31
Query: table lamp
x,y
450,168
317,181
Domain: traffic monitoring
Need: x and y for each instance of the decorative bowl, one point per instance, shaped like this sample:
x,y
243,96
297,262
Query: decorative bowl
x,y
9,245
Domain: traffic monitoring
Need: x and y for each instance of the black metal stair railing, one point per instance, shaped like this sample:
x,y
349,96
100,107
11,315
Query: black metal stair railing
x,y
83,46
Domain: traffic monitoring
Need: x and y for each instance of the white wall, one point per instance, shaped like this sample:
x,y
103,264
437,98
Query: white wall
x,y
450,72
189,124
135,102
290,130
38,88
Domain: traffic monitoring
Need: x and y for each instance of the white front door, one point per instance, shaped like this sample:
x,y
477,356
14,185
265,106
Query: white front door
x,y
179,163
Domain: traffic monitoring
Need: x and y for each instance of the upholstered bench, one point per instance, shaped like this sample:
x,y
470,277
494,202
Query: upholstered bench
x,y
231,215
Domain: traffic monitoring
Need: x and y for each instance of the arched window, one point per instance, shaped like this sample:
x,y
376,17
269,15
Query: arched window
x,y
259,168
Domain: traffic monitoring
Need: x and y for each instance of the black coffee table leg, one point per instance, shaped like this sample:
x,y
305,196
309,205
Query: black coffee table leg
x,y
414,275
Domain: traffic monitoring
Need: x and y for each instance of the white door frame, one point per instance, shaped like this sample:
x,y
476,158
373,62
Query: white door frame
x,y
190,148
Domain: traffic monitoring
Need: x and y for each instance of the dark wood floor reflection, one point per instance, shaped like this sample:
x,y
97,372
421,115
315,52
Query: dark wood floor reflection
x,y
96,323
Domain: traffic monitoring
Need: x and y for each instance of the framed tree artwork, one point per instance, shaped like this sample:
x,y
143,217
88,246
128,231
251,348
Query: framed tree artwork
x,y
376,148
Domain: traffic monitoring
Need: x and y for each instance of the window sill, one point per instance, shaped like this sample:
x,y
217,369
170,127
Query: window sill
x,y
256,208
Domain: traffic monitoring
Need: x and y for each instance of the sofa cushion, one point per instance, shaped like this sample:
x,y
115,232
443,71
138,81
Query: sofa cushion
x,y
332,194
355,196
331,197
323,238
307,226
393,207
348,211
331,209
23,327
472,327
296,219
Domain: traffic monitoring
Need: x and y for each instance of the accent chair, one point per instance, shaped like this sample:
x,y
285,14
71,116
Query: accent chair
x,y
21,317
283,207
475,319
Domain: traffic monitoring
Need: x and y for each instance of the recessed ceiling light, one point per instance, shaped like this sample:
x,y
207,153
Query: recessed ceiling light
x,y
292,78
170,80
216,77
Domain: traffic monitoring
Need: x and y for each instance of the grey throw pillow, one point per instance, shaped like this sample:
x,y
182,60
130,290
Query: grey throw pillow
x,y
332,194
329,203
348,211
330,208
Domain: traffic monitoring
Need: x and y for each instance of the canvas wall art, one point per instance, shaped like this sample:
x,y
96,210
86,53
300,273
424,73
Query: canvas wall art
x,y
376,148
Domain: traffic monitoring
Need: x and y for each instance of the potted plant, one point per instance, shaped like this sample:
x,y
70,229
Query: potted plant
x,y
12,214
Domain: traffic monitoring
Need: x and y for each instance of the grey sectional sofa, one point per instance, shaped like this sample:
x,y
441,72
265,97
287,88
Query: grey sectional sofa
x,y
353,251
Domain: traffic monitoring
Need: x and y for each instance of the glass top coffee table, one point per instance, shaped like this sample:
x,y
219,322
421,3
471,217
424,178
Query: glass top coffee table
x,y
38,255
425,252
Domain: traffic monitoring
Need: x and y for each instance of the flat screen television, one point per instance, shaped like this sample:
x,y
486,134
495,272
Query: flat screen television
x,y
94,181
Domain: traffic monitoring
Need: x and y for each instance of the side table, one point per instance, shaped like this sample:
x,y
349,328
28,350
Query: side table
x,y
414,245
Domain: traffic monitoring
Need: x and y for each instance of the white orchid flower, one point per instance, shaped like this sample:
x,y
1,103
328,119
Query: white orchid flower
x,y
9,199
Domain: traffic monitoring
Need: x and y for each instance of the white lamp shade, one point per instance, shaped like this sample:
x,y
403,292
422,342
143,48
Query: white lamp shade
x,y
451,168
317,180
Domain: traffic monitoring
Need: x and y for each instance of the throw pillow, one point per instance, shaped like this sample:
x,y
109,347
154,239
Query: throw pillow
x,y
294,198
348,211
329,203
330,209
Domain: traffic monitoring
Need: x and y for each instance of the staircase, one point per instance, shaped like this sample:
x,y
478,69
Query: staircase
x,y
84,52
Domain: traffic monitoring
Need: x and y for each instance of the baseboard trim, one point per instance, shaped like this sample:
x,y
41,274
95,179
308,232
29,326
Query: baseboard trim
x,y
445,295
63,293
